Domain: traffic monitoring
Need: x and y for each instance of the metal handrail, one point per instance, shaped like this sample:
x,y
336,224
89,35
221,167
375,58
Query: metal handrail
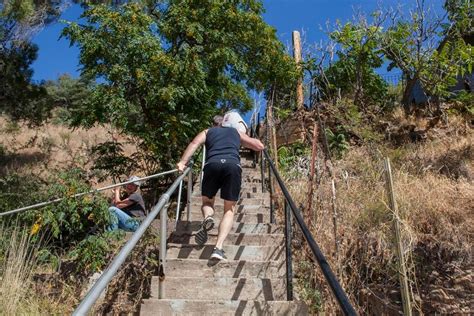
x,y
336,288
38,205
110,272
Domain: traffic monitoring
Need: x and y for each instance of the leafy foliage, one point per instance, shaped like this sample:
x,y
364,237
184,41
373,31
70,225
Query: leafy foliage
x,y
67,94
92,252
18,190
287,155
354,71
63,227
165,69
19,20
111,160
430,50
18,97
71,218
337,142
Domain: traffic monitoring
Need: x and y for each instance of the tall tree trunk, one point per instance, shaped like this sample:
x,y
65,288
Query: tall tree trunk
x,y
407,93
359,89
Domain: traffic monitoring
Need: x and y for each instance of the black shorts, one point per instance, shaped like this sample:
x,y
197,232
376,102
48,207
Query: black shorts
x,y
226,176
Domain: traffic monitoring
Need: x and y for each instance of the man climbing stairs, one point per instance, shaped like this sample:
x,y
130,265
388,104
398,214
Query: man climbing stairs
x,y
252,279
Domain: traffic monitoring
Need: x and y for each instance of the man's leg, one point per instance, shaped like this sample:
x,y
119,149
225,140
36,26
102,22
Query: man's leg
x,y
125,221
226,223
230,192
207,224
207,207
114,221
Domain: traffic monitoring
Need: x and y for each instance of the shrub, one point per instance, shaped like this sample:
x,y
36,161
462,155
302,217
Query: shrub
x,y
337,142
72,218
91,253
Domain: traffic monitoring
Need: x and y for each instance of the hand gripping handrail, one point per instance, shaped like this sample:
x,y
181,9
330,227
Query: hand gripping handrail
x,y
94,293
336,288
83,193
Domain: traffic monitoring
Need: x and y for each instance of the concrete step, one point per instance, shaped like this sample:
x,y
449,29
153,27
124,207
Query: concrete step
x,y
237,228
252,253
254,195
260,214
244,186
154,307
251,182
225,269
238,217
232,239
195,288
256,173
254,209
197,200
238,208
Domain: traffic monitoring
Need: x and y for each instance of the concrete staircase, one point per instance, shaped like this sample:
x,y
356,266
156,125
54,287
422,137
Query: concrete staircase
x,y
251,281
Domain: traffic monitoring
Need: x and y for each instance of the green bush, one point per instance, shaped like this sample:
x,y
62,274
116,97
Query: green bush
x,y
110,160
287,155
66,227
17,190
393,98
337,142
306,283
72,218
92,252
463,104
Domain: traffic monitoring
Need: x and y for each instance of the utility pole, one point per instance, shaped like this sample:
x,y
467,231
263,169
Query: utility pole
x,y
297,57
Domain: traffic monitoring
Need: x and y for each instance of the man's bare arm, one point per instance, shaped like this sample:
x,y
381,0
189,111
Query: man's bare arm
x,y
251,143
196,142
124,203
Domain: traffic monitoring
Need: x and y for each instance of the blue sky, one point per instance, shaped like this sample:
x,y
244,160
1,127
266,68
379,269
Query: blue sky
x,y
307,16
56,57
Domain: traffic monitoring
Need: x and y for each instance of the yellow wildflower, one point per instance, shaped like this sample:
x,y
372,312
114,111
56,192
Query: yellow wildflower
x,y
36,227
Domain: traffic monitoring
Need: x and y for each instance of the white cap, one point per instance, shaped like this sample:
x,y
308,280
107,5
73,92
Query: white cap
x,y
135,180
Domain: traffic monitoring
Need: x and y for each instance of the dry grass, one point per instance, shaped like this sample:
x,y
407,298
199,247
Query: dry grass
x,y
42,149
18,292
437,216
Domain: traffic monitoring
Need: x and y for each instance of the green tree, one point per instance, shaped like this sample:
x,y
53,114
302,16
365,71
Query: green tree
x,y
19,98
19,21
430,49
359,55
166,67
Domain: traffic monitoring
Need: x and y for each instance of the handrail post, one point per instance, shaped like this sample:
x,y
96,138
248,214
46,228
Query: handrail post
x,y
162,254
289,268
190,192
179,201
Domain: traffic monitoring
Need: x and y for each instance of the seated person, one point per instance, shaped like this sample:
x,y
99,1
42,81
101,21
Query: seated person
x,y
125,211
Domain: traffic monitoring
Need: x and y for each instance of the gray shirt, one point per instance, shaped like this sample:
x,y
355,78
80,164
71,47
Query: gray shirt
x,y
136,209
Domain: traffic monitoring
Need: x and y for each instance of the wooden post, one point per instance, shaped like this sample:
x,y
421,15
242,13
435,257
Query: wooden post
x,y
334,218
297,57
401,267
